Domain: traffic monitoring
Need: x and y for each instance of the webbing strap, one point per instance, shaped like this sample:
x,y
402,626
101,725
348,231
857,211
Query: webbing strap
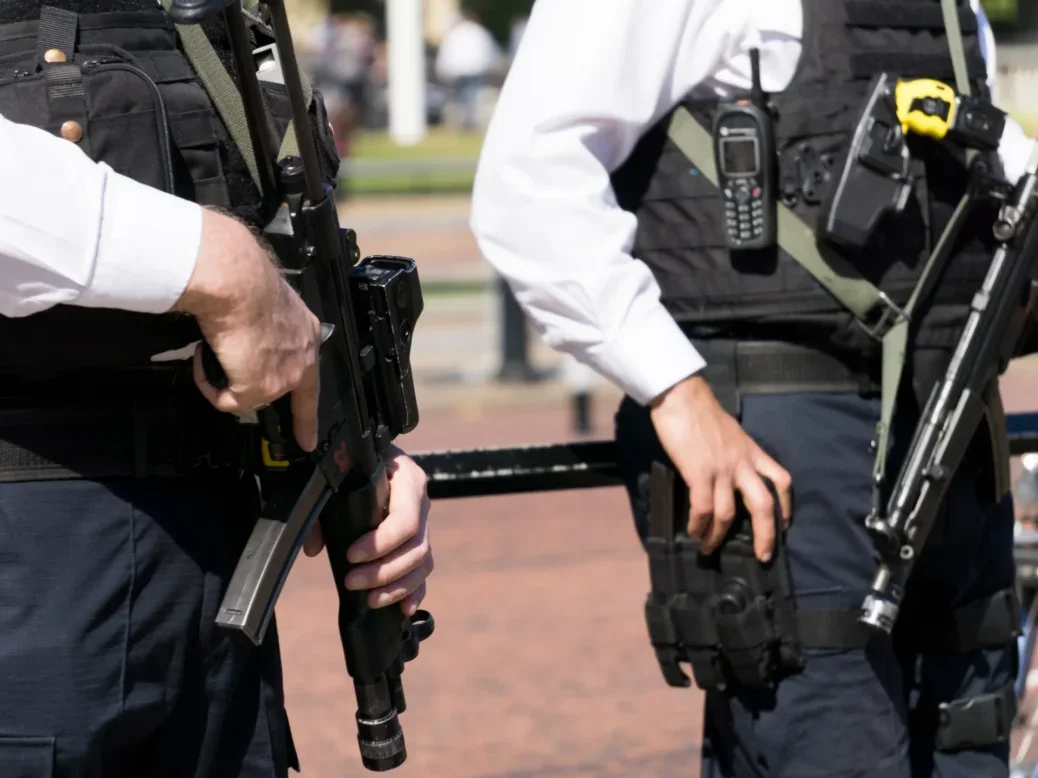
x,y
894,356
953,32
225,95
840,278
895,352
57,30
221,89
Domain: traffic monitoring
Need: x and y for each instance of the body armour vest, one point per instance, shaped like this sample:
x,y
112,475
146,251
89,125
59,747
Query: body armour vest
x,y
716,293
143,114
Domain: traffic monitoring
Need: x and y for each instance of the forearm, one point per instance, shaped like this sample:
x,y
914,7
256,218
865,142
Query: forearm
x,y
544,213
566,259
75,232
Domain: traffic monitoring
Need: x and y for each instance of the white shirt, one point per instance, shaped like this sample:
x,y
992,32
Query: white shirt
x,y
75,232
589,79
468,49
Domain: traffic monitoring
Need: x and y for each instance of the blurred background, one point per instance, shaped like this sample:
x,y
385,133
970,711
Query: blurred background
x,y
540,664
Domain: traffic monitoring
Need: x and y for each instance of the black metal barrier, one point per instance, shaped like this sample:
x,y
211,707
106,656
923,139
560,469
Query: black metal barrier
x,y
498,471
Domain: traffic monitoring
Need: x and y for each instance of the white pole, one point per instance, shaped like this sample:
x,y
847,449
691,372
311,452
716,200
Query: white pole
x,y
406,54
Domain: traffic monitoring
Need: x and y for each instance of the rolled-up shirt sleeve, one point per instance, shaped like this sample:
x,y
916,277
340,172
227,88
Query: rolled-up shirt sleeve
x,y
75,232
588,80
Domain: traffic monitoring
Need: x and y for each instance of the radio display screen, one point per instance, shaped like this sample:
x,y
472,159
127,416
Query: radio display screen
x,y
739,156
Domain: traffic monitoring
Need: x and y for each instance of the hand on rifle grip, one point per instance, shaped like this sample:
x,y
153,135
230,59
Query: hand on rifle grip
x,y
270,423
214,372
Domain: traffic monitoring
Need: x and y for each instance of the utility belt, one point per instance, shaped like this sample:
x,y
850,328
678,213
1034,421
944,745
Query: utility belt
x,y
735,621
120,424
737,368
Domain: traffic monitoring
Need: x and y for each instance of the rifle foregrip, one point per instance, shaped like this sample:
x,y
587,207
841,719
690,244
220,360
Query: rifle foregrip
x,y
372,639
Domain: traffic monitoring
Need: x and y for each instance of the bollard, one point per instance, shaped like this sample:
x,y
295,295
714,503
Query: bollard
x,y
579,379
515,359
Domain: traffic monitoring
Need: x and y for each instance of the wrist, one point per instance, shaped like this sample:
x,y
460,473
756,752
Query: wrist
x,y
694,388
229,263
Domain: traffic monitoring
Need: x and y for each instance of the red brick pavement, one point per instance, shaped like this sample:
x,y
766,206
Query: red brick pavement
x,y
540,664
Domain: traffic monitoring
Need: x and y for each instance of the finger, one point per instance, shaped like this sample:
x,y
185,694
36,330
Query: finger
x,y
783,481
314,541
398,590
700,506
409,605
388,569
408,515
724,514
221,399
761,505
304,408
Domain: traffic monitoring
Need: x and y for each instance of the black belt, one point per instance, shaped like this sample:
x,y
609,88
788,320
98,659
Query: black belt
x,y
137,439
735,368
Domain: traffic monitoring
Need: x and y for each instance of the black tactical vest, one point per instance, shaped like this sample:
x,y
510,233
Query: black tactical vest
x,y
715,293
196,161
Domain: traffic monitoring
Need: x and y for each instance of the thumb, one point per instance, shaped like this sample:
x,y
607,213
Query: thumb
x,y
314,541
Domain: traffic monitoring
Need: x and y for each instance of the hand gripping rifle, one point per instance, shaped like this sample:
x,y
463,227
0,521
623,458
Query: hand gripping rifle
x,y
955,406
368,312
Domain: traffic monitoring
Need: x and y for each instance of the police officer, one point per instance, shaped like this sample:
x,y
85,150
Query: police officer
x,y
124,500
738,369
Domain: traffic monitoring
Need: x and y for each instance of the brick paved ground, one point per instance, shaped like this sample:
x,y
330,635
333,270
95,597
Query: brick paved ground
x,y
540,665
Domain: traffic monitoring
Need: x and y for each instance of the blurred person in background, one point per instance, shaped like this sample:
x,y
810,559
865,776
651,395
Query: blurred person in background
x,y
738,369
342,50
466,55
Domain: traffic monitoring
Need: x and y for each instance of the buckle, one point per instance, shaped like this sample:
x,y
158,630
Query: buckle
x,y
978,721
881,317
669,658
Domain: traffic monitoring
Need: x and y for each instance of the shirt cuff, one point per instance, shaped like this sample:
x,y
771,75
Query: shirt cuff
x,y
648,359
147,249
1015,150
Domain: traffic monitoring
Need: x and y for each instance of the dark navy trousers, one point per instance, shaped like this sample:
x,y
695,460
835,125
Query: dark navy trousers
x,y
110,664
847,715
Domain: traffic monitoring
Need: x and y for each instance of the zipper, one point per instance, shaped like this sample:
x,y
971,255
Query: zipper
x,y
15,75
113,63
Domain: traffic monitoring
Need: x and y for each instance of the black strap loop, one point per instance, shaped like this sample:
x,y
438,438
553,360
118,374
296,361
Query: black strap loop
x,y
976,722
57,31
66,95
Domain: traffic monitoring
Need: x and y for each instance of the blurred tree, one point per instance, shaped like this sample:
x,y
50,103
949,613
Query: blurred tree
x,y
1011,14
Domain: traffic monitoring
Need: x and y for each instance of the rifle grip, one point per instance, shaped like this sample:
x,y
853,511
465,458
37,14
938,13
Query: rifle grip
x,y
214,372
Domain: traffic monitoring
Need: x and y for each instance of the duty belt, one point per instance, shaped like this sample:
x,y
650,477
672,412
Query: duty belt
x,y
736,368
110,431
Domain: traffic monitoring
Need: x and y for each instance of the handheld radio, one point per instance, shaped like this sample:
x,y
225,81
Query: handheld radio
x,y
744,154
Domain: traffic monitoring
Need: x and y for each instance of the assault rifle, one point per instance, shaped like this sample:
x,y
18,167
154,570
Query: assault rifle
x,y
368,312
956,406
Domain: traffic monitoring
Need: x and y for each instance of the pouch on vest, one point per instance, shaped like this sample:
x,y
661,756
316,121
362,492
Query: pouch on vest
x,y
729,616
120,88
